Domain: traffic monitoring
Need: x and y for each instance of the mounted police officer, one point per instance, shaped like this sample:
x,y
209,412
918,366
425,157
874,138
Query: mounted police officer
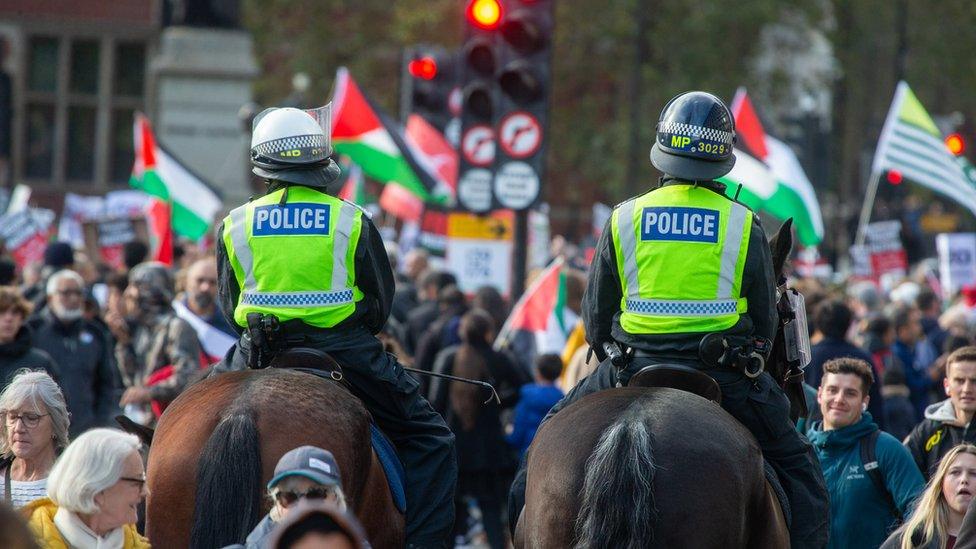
x,y
682,263
300,267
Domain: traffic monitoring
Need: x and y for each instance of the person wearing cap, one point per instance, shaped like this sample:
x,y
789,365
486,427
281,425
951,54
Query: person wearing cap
x,y
150,337
682,261
301,267
306,473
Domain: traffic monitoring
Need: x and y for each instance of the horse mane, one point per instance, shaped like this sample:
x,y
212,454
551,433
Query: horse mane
x,y
617,503
228,497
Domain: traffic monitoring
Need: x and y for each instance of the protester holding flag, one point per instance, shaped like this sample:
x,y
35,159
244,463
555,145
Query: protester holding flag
x,y
157,351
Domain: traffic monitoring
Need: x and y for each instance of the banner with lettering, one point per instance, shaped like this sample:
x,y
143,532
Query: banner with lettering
x,y
957,261
887,255
25,234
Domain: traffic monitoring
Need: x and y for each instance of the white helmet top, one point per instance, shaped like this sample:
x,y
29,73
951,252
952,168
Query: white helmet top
x,y
287,137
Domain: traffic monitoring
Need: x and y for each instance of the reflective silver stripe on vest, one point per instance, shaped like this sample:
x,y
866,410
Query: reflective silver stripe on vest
x,y
730,251
297,299
628,247
673,307
340,245
238,236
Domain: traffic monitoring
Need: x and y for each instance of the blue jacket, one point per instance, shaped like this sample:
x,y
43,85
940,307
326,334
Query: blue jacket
x,y
533,405
916,377
859,514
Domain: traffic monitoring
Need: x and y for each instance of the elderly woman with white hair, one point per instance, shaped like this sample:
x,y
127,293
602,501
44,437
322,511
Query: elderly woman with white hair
x,y
33,430
94,492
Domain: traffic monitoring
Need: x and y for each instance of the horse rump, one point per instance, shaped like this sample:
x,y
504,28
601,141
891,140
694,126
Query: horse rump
x,y
228,496
617,502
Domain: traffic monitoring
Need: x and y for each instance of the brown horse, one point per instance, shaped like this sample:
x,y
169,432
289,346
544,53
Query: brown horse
x,y
216,447
659,467
640,467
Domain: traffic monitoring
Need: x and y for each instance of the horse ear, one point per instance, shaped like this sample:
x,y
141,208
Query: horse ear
x,y
780,246
144,433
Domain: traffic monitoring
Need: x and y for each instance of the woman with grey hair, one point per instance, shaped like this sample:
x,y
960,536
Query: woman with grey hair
x,y
93,493
33,430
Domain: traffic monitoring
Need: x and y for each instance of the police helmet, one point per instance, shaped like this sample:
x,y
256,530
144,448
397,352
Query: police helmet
x,y
695,135
290,145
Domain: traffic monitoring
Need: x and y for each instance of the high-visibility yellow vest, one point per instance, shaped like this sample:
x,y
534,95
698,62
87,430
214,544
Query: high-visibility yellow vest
x,y
681,251
296,260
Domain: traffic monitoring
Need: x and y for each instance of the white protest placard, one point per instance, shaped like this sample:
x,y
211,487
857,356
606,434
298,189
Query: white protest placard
x,y
479,250
957,260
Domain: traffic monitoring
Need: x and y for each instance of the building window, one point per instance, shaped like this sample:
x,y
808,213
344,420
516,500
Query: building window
x,y
80,96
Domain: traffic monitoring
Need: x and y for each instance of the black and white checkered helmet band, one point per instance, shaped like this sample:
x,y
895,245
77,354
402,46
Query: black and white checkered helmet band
x,y
697,132
296,149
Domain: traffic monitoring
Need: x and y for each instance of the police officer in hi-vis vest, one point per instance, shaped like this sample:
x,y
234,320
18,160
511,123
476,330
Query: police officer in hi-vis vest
x,y
683,261
300,267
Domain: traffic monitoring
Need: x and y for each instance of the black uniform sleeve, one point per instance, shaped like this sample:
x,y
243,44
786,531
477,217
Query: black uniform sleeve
x,y
601,301
759,288
374,276
228,291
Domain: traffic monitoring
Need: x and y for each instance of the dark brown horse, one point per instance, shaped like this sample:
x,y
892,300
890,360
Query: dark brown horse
x,y
216,447
650,467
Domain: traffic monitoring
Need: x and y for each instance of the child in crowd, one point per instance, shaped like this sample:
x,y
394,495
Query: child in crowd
x,y
535,400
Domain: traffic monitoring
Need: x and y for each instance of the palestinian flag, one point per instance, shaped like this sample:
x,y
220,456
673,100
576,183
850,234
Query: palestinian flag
x,y
542,314
771,177
367,136
192,202
354,186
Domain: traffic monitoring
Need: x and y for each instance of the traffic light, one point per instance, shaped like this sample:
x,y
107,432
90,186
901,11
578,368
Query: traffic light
x,y
955,143
430,75
478,66
893,177
523,78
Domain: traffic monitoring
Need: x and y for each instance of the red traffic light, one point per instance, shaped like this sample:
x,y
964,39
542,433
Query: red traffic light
x,y
955,143
894,177
424,67
484,13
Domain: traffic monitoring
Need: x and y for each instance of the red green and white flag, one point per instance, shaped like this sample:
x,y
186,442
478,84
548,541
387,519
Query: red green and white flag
x,y
192,204
771,177
542,312
370,139
354,187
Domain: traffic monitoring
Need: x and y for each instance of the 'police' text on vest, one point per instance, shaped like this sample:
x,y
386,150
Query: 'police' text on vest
x,y
300,218
679,223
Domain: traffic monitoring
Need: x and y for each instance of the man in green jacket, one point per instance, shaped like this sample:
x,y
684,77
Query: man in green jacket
x,y
867,500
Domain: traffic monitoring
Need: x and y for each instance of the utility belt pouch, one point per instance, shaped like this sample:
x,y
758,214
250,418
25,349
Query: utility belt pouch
x,y
619,358
263,332
717,351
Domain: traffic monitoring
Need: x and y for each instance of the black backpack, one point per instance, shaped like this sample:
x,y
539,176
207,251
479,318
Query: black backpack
x,y
870,461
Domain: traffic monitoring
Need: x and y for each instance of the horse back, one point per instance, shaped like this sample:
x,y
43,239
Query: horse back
x,y
290,409
708,470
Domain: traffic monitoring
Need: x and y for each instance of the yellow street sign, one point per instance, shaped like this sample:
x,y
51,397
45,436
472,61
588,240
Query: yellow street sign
x,y
497,226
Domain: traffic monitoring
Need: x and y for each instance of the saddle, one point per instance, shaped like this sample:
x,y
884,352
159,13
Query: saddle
x,y
319,363
308,360
677,376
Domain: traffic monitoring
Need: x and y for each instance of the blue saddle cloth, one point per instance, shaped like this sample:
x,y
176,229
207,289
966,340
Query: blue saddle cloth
x,y
391,465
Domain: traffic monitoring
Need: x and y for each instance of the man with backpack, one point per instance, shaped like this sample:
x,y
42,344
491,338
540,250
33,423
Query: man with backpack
x,y
871,477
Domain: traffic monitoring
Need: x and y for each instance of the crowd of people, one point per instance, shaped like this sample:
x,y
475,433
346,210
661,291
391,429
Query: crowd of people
x,y
891,395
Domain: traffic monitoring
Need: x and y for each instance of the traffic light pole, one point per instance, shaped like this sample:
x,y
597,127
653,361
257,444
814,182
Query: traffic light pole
x,y
521,252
